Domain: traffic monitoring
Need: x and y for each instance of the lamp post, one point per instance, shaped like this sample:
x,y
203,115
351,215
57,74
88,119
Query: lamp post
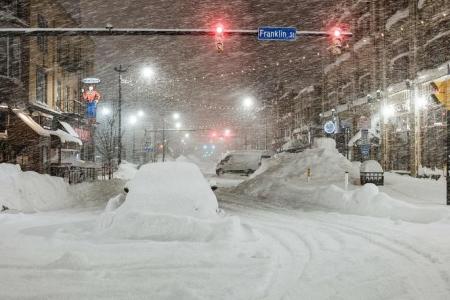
x,y
120,70
247,103
176,117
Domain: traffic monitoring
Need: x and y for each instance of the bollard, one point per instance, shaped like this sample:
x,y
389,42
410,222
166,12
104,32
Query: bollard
x,y
346,181
308,174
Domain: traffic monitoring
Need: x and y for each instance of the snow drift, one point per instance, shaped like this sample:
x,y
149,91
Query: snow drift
x,y
31,191
367,200
169,201
324,161
126,171
284,182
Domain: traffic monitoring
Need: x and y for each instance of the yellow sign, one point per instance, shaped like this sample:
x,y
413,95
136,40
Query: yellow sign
x,y
441,92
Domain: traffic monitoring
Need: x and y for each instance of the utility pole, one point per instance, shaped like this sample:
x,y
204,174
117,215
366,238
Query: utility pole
x,y
164,139
120,70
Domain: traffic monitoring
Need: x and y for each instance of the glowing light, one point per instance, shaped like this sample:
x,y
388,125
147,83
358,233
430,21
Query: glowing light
x,y
219,29
247,103
205,147
337,33
177,125
388,111
140,113
227,132
147,72
176,116
132,120
106,111
421,102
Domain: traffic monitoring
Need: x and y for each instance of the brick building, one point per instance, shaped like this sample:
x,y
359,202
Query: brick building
x,y
42,115
398,48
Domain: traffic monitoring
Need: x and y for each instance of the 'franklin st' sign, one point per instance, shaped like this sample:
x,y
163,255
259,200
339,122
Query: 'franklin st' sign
x,y
277,34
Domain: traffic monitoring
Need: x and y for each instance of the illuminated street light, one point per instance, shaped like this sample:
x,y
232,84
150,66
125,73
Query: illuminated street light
x,y
187,135
132,120
176,116
421,102
140,113
227,132
247,103
177,125
106,111
388,111
147,72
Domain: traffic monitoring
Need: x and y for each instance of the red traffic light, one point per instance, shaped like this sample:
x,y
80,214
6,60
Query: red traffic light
x,y
219,29
337,32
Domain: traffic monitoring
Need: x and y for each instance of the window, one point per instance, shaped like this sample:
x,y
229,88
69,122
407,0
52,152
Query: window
x,y
42,40
3,120
4,56
41,85
58,94
10,57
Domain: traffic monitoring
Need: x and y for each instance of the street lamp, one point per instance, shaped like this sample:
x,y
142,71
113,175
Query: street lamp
x,y
147,72
176,116
247,103
178,125
140,113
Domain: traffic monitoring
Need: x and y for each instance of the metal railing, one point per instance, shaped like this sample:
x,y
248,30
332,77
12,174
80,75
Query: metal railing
x,y
73,107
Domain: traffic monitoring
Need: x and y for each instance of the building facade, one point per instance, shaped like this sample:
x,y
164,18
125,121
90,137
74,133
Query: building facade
x,y
43,118
384,77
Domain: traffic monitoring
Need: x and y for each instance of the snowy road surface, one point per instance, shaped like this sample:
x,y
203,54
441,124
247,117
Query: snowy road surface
x,y
295,255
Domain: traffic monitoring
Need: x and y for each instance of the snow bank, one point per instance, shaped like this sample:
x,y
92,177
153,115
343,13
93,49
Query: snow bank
x,y
324,161
126,171
31,191
169,201
371,166
368,201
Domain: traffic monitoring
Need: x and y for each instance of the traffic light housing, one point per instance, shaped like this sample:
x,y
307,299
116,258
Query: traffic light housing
x,y
219,32
441,92
337,40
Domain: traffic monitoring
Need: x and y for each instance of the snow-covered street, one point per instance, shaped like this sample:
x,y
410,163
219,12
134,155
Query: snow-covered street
x,y
294,254
273,235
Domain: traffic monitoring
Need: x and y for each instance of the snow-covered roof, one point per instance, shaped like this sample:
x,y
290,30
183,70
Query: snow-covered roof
x,y
32,123
65,137
398,16
69,129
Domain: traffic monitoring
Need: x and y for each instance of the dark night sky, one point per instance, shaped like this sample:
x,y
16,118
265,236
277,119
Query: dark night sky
x,y
249,67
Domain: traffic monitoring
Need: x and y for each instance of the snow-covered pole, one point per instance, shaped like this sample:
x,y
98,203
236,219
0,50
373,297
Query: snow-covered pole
x,y
346,180
308,175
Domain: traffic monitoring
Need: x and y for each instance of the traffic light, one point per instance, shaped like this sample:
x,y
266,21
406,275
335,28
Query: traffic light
x,y
219,38
337,40
441,91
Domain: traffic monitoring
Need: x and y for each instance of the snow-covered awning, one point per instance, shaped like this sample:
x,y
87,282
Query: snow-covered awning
x,y
65,137
32,123
357,137
69,129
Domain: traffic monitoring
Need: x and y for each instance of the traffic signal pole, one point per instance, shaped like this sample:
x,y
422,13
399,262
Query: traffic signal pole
x,y
110,31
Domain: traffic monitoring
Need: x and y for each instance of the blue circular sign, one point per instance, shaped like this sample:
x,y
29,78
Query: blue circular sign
x,y
329,127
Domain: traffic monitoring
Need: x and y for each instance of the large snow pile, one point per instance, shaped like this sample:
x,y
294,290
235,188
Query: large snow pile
x,y
367,200
126,171
169,201
324,161
31,191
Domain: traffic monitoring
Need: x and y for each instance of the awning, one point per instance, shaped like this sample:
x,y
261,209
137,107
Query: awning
x,y
69,129
32,123
64,136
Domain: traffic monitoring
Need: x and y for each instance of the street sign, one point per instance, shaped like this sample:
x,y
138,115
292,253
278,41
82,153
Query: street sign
x,y
329,127
277,33
90,80
365,149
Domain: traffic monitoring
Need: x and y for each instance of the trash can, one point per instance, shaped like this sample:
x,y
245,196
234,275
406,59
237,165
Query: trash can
x,y
371,172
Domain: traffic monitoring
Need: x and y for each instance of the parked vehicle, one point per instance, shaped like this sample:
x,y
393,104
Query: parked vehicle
x,y
245,162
